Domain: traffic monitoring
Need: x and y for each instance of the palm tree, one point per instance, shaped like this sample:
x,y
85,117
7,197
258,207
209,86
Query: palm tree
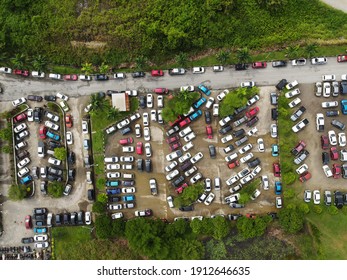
x,y
40,63
311,50
141,62
182,59
18,61
222,56
243,55
104,68
113,113
87,68
97,102
292,51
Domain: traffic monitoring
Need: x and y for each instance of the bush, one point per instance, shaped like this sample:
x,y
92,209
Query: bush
x,y
99,207
102,197
55,189
332,210
304,208
60,153
317,209
17,192
289,178
289,193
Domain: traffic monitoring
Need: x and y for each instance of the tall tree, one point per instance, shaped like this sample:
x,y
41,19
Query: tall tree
x,y
222,56
292,51
113,113
141,62
311,50
243,55
40,63
97,102
87,68
104,68
19,60
182,59
17,192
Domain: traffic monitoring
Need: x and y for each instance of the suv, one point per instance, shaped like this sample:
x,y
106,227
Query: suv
x,y
298,148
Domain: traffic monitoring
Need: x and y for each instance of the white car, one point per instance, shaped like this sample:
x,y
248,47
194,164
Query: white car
x,y
261,145
41,150
62,96
160,101
69,138
41,245
227,138
326,89
171,166
51,125
247,179
294,102
215,111
149,100
138,130
255,194
319,89
246,158
300,125
319,122
253,100
84,127
342,139
123,123
30,114
23,163
210,102
316,197
19,101
232,180
319,60
189,137
128,190
115,206
20,128
128,149
330,104
190,171
256,170
195,178
23,172
185,131
84,77
185,157
145,119
135,117
172,175
88,108
40,237
291,94
248,84
54,76
273,130
52,117
279,202
291,85
21,145
332,137
222,95
147,133
299,62
88,218
235,189
187,146
336,89
243,172
232,198
328,78
117,215
187,88
54,161
115,166
169,200
153,115
225,120
119,75
173,155
113,175
327,171
245,149
209,199
148,149
302,169
37,74
5,70
196,157
160,117
218,68
198,70
265,182
132,92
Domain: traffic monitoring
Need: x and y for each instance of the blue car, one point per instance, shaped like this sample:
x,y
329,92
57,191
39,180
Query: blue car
x,y
278,187
112,183
198,103
53,136
274,150
195,115
113,191
344,106
128,198
26,180
40,230
204,90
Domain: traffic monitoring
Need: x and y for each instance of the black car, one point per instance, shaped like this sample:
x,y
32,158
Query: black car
x,y
66,219
252,121
101,94
239,133
140,164
22,155
148,165
212,150
39,211
50,97
38,112
101,77
343,87
338,199
128,183
126,130
338,124
239,110
225,129
114,199
187,208
344,171
179,181
186,165
279,63
253,163
91,194
80,219
273,98
138,74
27,240
325,158
53,144
71,174
52,177
332,113
143,102
73,218
40,223
234,217
71,157
36,98
57,219
282,83
39,217
241,66
87,161
274,114
243,140
208,117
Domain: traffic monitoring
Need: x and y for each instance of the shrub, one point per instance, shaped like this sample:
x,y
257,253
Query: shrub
x,y
289,193
317,209
332,210
304,208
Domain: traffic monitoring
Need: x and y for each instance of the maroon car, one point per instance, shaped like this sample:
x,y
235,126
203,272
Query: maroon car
x,y
276,169
175,146
172,139
305,177
336,171
324,142
20,118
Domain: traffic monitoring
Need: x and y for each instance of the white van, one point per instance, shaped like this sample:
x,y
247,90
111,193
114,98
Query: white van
x,y
89,177
128,176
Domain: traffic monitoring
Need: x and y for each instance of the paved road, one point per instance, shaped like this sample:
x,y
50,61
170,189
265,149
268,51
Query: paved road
x,y
337,4
16,87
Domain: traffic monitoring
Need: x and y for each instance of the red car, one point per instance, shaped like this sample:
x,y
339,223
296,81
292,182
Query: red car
x,y
234,164
20,118
277,169
324,142
24,73
139,148
342,58
184,122
157,73
28,223
337,171
172,139
175,146
334,154
126,141
298,148
179,118
181,188
42,132
68,120
305,177
72,77
259,64
251,113
209,132
161,90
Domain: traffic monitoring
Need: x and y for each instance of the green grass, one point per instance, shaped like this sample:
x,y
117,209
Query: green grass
x,y
65,69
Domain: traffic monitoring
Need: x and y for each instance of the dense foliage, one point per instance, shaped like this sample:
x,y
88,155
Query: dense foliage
x,y
74,31
55,189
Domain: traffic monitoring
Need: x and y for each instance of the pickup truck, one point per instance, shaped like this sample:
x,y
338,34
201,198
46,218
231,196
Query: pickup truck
x,y
153,186
299,147
320,122
177,71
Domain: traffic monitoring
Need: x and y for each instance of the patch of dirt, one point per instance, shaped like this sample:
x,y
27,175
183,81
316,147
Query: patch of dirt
x,y
89,45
